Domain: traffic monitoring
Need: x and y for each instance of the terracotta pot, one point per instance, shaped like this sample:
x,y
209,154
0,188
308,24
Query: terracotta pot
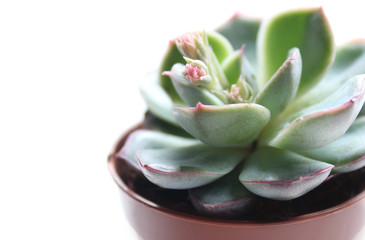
x,y
154,222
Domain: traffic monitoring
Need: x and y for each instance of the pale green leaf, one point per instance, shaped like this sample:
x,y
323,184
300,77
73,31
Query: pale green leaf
x,y
188,167
307,30
346,153
222,48
281,89
350,59
232,66
322,123
241,30
148,139
229,125
225,197
282,175
157,100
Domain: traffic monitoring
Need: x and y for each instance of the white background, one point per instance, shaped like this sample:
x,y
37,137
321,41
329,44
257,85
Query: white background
x,y
69,74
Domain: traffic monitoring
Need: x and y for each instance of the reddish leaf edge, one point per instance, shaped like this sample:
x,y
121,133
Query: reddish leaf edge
x,y
322,171
149,168
350,164
340,108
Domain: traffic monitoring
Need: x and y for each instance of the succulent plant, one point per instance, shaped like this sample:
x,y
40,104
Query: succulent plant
x,y
256,108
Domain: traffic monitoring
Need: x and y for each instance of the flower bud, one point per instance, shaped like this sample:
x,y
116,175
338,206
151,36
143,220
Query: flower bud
x,y
196,75
193,45
240,92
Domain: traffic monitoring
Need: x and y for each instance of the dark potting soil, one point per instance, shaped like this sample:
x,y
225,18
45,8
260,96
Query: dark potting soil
x,y
334,191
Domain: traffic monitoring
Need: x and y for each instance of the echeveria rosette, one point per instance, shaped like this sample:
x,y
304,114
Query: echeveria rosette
x,y
268,108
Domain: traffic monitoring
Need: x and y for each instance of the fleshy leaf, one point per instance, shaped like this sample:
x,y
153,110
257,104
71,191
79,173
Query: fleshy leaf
x,y
172,56
187,91
346,153
226,197
322,123
281,89
362,112
241,30
222,48
349,62
232,125
148,139
249,74
188,167
158,101
232,66
282,175
237,65
307,30
152,122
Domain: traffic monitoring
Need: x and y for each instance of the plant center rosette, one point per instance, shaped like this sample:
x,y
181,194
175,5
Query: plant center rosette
x,y
256,108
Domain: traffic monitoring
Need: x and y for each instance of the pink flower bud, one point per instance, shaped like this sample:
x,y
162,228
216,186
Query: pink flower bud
x,y
187,44
194,74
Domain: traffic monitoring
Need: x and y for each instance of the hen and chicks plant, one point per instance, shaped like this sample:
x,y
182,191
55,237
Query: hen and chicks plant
x,y
256,108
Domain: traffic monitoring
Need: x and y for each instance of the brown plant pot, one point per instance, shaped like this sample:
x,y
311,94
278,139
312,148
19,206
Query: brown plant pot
x,y
152,221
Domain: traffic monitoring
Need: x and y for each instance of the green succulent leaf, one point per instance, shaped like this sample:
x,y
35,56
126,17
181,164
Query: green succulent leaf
x,y
324,122
157,100
148,139
281,89
237,65
249,74
152,122
232,66
222,48
188,167
232,125
349,62
307,30
172,56
226,197
362,112
187,91
282,175
241,30
346,153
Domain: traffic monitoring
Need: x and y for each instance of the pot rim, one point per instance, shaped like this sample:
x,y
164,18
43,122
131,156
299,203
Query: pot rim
x,y
112,159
